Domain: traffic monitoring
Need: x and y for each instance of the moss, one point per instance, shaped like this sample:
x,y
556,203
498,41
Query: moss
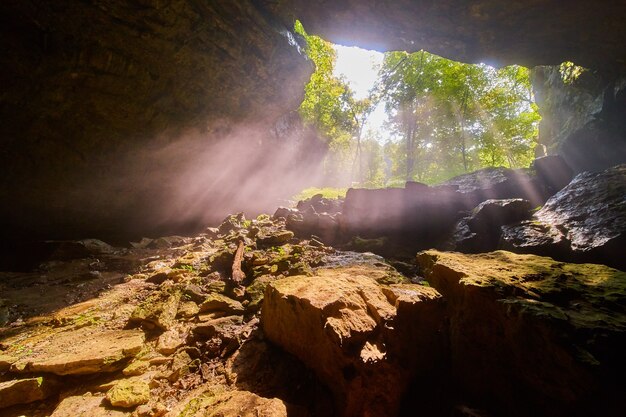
x,y
586,295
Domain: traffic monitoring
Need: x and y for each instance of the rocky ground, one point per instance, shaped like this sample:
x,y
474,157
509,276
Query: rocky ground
x,y
262,317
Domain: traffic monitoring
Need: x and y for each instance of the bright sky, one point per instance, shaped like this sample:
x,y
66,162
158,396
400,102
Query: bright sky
x,y
360,68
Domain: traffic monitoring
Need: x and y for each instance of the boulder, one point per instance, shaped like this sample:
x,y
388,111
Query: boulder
x,y
81,352
532,336
129,393
22,391
230,404
584,222
86,406
480,231
357,335
423,216
553,172
158,311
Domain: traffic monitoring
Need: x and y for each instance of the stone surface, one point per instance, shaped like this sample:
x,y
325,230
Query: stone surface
x,y
480,231
553,172
157,311
479,31
354,333
422,216
582,118
129,393
584,222
22,391
230,404
220,303
100,93
86,406
79,352
551,334
170,341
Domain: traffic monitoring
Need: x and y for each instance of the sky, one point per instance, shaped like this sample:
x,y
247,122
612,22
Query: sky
x,y
360,68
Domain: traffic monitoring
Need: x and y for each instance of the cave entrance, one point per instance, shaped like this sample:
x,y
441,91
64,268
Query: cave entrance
x,y
393,117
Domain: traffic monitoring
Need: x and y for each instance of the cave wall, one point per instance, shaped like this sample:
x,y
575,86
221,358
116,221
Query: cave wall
x,y
107,104
583,119
115,114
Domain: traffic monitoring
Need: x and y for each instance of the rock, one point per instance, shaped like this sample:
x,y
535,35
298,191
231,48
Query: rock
x,y
496,184
80,352
255,291
22,391
137,367
320,204
221,303
231,223
96,247
6,362
231,404
553,172
284,212
273,238
170,341
167,242
585,221
188,309
158,310
86,406
339,323
129,393
551,334
480,231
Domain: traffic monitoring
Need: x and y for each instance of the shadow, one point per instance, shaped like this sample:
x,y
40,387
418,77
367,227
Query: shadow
x,y
269,372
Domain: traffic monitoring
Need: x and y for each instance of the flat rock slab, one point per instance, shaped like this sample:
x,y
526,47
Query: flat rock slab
x,y
82,352
86,406
229,404
355,333
21,391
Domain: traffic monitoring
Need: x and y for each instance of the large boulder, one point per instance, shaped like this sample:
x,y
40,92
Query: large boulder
x,y
365,340
424,215
480,231
532,336
584,222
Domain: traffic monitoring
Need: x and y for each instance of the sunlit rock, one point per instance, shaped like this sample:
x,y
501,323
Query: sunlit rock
x,y
357,335
528,334
584,222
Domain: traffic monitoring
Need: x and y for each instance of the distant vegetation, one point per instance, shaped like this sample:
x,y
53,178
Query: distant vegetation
x,y
445,118
327,192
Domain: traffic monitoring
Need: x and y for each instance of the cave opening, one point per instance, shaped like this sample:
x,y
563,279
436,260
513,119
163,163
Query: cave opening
x,y
392,117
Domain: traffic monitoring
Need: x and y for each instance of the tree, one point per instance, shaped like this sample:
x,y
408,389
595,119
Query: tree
x,y
454,117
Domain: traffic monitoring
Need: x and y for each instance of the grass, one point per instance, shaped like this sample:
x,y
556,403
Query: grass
x,y
327,192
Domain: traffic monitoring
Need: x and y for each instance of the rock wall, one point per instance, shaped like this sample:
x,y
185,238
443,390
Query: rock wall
x,y
107,106
541,32
583,118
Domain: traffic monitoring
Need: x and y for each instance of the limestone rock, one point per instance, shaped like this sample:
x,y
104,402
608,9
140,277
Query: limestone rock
x,y
551,333
232,404
354,333
588,217
129,393
21,391
79,352
480,231
170,341
553,172
159,310
220,303
86,406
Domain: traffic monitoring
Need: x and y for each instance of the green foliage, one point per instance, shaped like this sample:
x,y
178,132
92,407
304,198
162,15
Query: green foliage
x,y
446,118
570,72
326,192
449,117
